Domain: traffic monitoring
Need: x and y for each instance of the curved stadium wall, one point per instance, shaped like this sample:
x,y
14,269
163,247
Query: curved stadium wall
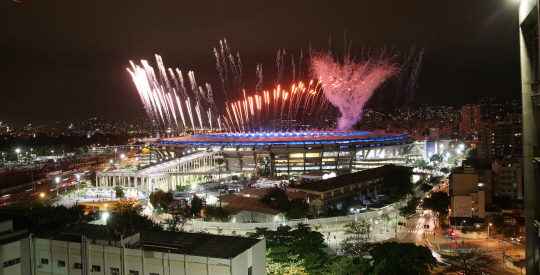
x,y
294,153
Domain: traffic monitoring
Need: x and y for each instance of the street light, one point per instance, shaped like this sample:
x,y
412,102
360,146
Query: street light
x,y
462,231
57,182
78,183
17,151
105,216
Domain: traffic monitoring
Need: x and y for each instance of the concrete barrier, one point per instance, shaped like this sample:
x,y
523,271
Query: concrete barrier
x,y
291,223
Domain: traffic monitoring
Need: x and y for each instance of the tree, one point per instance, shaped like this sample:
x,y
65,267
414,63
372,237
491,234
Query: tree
x,y
126,215
122,206
445,170
437,158
349,266
216,213
401,258
469,259
92,178
498,224
425,187
180,213
196,205
438,202
409,210
398,182
275,198
385,218
182,188
160,199
359,235
420,164
297,209
435,180
293,247
119,192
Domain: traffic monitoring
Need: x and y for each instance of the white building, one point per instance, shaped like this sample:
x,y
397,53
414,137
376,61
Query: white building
x,y
99,250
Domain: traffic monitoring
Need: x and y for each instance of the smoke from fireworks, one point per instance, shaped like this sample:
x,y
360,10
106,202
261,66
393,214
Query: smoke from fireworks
x,y
347,85
350,84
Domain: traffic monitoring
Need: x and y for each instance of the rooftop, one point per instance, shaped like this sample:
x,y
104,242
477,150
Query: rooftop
x,y
259,192
349,179
90,231
237,204
215,246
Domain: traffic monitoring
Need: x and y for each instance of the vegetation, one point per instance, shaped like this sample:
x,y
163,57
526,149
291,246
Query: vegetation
x,y
277,198
498,224
401,258
126,215
216,213
398,183
183,188
293,251
349,266
300,251
469,259
180,213
161,199
196,205
359,236
409,210
119,192
425,187
439,202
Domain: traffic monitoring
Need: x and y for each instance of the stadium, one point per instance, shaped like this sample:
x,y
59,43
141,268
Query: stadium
x,y
292,153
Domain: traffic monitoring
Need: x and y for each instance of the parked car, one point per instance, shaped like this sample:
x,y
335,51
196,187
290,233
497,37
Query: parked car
x,y
367,202
382,198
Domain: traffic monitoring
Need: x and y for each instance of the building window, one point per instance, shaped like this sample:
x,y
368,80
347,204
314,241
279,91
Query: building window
x,y
115,270
96,268
12,262
61,263
250,270
44,261
154,273
77,266
134,272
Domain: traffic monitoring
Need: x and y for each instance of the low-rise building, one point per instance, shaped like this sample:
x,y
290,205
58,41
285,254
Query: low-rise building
x,y
470,192
100,250
507,179
245,206
342,190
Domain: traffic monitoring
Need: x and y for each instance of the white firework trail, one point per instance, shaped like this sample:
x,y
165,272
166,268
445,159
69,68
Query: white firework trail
x,y
181,111
190,113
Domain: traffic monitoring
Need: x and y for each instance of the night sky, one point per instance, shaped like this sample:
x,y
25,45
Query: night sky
x,y
63,60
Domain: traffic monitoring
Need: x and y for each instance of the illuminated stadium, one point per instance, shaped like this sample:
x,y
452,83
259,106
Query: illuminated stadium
x,y
293,153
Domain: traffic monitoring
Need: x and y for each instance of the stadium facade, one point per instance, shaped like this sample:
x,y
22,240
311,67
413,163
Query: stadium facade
x,y
295,153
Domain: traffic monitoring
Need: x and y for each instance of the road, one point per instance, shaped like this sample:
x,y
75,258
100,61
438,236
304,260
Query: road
x,y
417,231
47,186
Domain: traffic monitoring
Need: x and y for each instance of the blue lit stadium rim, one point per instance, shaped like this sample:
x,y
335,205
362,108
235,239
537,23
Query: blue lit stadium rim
x,y
289,138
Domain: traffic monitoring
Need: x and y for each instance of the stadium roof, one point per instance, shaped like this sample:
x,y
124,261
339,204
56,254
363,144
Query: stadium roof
x,y
292,138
